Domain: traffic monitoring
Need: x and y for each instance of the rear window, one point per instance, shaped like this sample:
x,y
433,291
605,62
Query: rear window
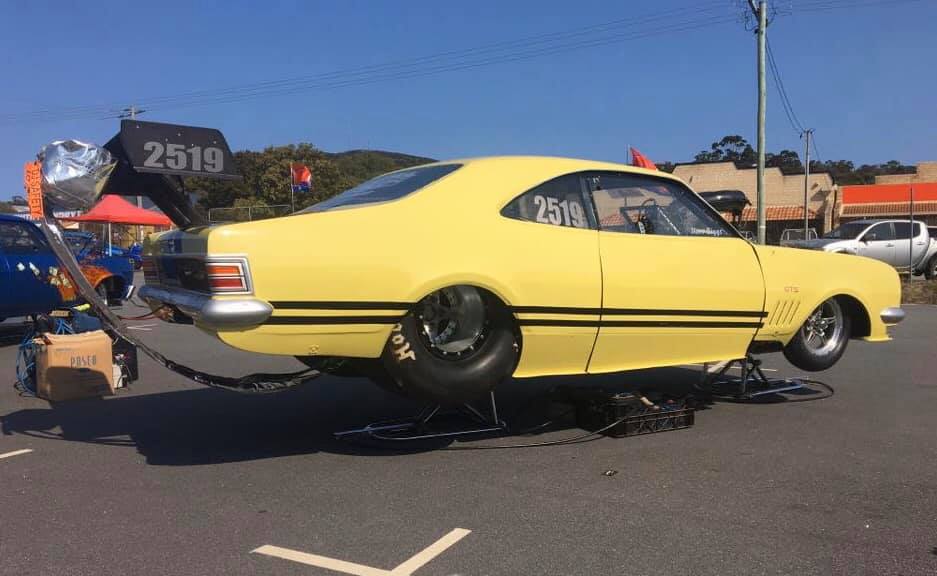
x,y
385,188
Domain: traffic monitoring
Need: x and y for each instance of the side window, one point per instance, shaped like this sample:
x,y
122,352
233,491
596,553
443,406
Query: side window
x,y
18,238
903,230
637,204
880,232
558,202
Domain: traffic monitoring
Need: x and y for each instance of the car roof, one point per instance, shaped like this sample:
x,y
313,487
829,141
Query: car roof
x,y
501,178
558,164
13,218
877,220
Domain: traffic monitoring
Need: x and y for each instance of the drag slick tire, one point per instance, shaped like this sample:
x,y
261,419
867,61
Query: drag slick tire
x,y
822,339
453,347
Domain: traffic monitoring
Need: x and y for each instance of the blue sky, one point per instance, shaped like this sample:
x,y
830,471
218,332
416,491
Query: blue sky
x,y
863,78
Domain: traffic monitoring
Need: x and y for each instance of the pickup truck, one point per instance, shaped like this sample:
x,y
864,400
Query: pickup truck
x,y
32,282
891,241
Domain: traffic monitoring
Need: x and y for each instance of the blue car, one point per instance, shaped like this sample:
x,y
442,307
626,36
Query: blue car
x,y
32,282
86,244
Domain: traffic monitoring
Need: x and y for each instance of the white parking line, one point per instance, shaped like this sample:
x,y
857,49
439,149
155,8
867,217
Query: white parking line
x,y
407,568
15,453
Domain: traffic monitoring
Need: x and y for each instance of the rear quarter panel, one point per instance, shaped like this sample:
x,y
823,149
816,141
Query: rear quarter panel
x,y
450,232
797,281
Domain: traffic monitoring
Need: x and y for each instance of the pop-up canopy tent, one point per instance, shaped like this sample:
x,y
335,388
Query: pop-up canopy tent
x,y
115,210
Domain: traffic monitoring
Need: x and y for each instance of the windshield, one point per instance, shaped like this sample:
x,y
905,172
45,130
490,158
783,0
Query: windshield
x,y
851,230
384,188
77,241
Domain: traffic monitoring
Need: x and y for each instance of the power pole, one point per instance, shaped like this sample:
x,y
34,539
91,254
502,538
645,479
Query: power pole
x,y
131,112
806,137
761,12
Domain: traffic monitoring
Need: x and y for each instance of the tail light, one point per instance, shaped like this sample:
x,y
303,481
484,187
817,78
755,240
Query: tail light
x,y
226,276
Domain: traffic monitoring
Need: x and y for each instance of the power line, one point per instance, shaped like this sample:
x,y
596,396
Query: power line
x,y
782,92
826,5
526,48
504,51
816,152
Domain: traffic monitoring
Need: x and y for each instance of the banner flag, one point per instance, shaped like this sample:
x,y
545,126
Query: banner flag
x,y
641,161
302,177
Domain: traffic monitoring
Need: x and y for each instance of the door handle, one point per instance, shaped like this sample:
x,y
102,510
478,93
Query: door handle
x,y
889,245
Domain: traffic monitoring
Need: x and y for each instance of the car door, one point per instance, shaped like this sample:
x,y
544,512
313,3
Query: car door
x,y
879,242
679,285
909,247
555,276
28,259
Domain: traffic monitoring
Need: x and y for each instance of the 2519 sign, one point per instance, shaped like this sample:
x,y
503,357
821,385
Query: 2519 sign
x,y
176,150
178,157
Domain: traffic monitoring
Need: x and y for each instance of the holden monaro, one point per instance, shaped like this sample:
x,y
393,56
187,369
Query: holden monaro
x,y
443,280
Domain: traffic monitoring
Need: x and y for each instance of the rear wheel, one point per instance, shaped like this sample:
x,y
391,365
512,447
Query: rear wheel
x,y
930,271
453,347
822,339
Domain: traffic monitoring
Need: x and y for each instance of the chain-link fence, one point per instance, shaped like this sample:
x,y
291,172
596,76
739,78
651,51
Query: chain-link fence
x,y
247,213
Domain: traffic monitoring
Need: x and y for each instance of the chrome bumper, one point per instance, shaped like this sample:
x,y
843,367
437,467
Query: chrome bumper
x,y
208,312
892,315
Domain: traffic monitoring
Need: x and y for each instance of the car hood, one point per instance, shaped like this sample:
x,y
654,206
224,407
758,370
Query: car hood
x,y
817,244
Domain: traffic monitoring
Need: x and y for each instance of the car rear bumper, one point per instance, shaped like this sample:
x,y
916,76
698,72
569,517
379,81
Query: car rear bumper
x,y
212,313
892,315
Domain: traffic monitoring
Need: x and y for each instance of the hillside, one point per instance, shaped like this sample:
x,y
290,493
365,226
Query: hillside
x,y
266,176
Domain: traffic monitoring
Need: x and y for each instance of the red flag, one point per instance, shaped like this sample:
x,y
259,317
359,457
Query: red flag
x,y
641,161
302,177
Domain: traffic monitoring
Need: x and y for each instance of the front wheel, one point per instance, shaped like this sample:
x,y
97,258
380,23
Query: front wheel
x,y
822,339
453,347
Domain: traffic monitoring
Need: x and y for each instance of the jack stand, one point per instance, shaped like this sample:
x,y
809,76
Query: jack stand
x,y
420,427
751,384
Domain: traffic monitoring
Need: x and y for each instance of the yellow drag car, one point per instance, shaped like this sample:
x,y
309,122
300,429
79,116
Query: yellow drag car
x,y
443,280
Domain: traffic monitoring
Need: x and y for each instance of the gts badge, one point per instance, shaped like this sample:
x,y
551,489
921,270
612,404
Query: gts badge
x,y
792,289
402,349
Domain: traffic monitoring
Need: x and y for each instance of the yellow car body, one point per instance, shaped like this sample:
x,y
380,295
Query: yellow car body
x,y
585,300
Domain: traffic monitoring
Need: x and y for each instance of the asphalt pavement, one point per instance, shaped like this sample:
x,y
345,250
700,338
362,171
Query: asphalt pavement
x,y
170,477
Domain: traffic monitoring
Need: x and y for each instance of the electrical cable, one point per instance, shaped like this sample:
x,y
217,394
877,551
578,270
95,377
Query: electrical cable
x,y
520,42
502,52
828,5
782,92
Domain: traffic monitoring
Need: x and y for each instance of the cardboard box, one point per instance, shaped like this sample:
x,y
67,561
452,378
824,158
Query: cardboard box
x,y
73,366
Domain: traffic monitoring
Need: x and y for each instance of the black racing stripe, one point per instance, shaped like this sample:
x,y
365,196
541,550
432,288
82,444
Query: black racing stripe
x,y
339,305
318,320
638,323
636,311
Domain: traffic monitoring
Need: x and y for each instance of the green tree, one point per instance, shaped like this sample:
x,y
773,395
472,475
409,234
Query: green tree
x,y
787,160
730,149
266,176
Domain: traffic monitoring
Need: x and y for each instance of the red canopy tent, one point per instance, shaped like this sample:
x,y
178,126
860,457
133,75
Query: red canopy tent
x,y
115,210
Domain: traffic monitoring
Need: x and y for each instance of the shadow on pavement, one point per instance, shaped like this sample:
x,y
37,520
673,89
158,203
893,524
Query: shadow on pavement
x,y
208,426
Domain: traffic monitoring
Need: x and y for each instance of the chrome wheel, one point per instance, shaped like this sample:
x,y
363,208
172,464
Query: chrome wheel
x,y
823,330
453,321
